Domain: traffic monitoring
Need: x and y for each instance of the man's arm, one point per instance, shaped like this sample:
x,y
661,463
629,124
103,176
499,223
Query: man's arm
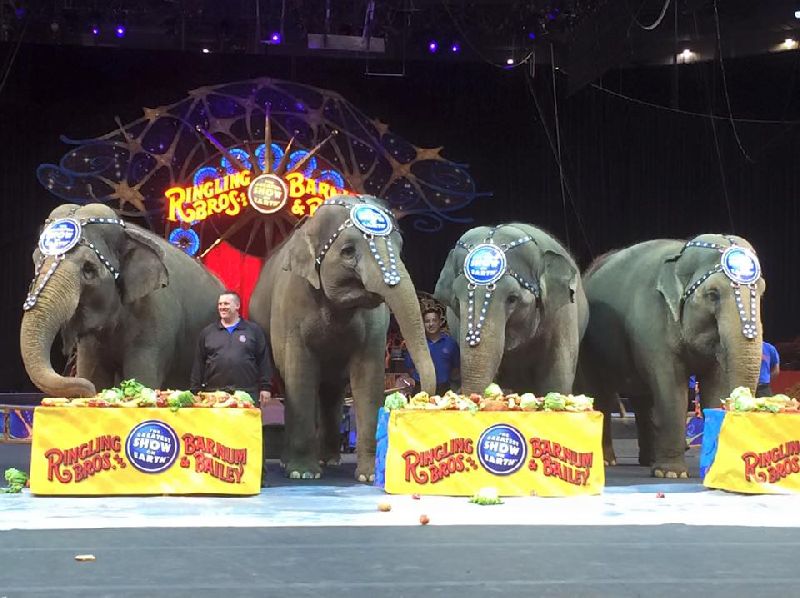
x,y
776,366
199,366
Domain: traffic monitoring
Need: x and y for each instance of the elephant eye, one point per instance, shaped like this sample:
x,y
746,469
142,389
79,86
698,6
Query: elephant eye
x,y
89,271
512,299
348,251
712,295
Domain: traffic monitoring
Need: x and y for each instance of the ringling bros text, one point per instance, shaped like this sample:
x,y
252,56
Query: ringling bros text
x,y
457,457
773,465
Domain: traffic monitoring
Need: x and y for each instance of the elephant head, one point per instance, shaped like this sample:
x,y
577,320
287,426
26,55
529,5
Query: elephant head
x,y
502,282
88,264
713,290
350,251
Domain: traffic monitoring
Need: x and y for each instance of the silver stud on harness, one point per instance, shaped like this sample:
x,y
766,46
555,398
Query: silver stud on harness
x,y
372,222
741,266
484,265
57,239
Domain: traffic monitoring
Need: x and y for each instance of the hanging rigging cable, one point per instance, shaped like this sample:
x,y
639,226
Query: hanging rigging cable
x,y
720,164
658,20
475,48
558,145
529,77
725,86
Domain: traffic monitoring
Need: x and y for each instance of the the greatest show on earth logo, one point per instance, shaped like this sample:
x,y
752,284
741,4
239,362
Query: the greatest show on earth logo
x,y
152,446
502,449
60,236
485,264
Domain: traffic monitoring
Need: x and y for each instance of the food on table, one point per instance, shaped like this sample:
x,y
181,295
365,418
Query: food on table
x,y
742,400
132,394
492,399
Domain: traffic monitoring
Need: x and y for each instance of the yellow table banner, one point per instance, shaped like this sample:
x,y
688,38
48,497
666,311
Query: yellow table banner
x,y
757,453
91,451
519,453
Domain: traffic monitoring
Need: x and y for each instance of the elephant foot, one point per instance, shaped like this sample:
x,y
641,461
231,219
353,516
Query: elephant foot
x,y
301,471
671,471
609,457
365,473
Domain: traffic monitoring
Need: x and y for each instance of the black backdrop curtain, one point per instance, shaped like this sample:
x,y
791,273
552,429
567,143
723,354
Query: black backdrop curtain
x,y
632,172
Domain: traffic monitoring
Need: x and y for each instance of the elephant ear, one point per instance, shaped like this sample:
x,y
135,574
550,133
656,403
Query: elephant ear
x,y
671,287
559,280
444,286
301,258
143,269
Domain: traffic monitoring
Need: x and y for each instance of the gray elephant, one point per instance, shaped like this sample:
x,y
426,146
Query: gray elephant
x,y
322,300
661,311
518,296
130,303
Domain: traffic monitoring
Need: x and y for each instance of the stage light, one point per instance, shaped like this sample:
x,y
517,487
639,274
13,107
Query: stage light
x,y
206,51
789,43
433,47
455,48
119,31
274,38
531,35
95,30
686,52
797,14
509,61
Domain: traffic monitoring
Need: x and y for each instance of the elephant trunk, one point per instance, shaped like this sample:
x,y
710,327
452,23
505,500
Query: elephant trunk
x,y
739,360
55,306
402,300
479,364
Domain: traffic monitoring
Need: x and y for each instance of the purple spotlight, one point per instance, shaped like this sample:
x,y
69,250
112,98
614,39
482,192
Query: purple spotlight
x,y
531,35
433,47
275,38
95,30
119,31
455,48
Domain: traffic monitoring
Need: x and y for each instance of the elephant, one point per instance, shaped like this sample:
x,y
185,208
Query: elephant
x,y
322,298
660,311
515,295
127,301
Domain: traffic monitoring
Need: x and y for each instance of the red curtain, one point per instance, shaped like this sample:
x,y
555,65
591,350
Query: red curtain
x,y
237,271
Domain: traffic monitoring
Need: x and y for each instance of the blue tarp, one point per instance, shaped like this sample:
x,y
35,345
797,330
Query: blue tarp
x,y
712,426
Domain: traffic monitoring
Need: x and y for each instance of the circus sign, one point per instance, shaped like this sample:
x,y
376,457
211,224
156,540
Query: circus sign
x,y
230,194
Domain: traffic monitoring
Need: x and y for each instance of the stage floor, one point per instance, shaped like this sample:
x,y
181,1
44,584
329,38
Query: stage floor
x,y
326,537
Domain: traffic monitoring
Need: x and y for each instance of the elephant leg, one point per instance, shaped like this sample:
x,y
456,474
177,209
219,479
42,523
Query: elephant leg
x,y
301,379
146,365
367,383
330,423
94,366
669,423
644,429
605,402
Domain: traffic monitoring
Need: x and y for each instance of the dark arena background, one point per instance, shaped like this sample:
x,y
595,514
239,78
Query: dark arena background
x,y
648,149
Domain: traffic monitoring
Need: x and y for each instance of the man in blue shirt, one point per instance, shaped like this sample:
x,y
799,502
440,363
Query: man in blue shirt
x,y
444,353
770,367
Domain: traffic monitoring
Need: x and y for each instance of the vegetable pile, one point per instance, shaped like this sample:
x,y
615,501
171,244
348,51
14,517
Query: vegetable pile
x,y
492,399
16,480
742,400
131,393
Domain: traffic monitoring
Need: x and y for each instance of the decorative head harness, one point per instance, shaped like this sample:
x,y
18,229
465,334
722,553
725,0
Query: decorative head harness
x,y
741,266
484,265
57,239
373,222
